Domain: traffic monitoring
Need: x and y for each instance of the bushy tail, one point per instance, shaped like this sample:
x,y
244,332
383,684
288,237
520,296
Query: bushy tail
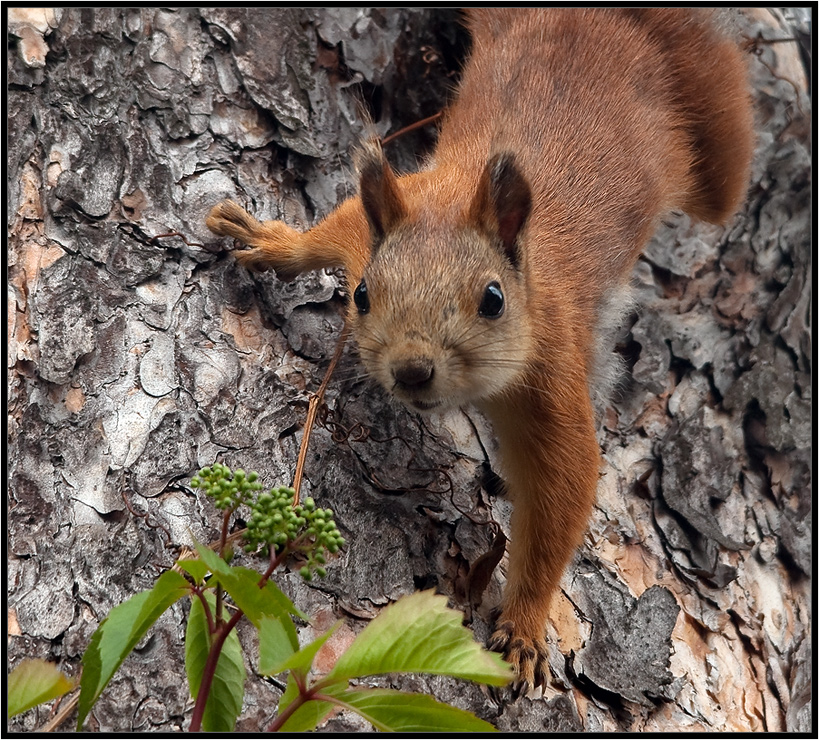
x,y
712,92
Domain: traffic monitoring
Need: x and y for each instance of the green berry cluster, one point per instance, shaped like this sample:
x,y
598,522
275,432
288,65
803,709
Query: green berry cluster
x,y
304,528
228,489
320,530
274,521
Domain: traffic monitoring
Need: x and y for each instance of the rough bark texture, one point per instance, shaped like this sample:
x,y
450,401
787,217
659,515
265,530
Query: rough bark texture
x,y
134,362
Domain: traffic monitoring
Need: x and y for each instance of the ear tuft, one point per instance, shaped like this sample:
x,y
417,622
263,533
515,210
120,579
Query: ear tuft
x,y
512,200
503,202
378,190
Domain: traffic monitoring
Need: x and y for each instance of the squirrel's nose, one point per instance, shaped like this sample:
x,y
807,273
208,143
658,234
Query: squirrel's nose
x,y
414,372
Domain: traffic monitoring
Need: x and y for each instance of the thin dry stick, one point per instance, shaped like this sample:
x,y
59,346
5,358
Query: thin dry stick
x,y
62,715
315,402
180,235
423,122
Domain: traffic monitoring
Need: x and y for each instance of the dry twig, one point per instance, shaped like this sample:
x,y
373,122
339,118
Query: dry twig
x,y
315,402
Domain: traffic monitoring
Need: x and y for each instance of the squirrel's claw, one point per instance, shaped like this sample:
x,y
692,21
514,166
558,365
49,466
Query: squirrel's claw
x,y
527,655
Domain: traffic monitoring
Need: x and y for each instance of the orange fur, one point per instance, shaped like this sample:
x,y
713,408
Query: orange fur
x,y
574,131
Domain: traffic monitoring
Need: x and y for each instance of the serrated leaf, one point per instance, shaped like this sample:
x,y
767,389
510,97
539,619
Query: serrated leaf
x,y
215,564
197,642
274,646
33,682
397,711
291,691
308,716
301,660
242,585
270,600
421,634
227,689
119,633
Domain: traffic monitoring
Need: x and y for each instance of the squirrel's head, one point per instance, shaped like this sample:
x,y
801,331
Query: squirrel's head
x,y
440,314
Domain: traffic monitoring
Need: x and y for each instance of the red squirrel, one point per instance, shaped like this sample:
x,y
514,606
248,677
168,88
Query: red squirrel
x,y
484,278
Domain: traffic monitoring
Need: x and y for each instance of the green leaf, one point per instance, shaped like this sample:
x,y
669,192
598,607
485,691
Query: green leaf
x,y
397,711
301,660
33,682
421,634
267,601
195,567
308,716
291,691
274,646
197,642
227,690
255,602
119,633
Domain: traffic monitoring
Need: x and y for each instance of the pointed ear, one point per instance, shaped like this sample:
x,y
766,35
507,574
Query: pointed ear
x,y
503,202
378,190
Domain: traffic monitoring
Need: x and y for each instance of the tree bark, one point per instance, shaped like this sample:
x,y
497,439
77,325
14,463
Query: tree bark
x,y
135,358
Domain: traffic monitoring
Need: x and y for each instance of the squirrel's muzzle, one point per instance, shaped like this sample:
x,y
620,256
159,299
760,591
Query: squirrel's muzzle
x,y
415,373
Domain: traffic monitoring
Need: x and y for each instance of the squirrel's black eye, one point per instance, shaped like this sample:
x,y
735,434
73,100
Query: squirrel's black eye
x,y
361,298
492,304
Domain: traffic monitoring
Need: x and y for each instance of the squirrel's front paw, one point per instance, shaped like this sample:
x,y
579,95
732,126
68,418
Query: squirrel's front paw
x,y
270,244
526,653
230,219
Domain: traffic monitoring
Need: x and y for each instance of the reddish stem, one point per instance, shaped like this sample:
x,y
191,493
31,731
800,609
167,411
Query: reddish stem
x,y
312,409
278,723
224,534
201,594
275,562
222,544
220,630
220,633
305,695
210,670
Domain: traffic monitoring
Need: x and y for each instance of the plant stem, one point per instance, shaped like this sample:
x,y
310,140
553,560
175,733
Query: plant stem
x,y
305,694
222,545
278,723
206,607
275,562
224,534
219,631
210,669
